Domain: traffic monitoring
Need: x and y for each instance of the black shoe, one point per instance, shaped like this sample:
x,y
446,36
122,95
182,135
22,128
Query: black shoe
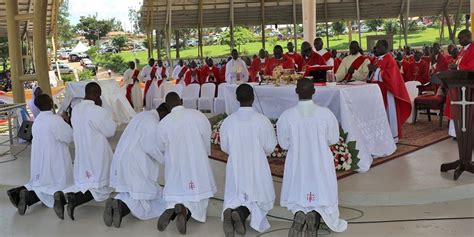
x,y
296,229
181,215
312,221
71,204
120,210
108,212
59,202
165,219
14,195
22,203
239,223
228,224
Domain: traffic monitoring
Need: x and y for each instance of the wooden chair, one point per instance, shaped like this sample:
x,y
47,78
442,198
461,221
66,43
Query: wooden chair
x,y
430,102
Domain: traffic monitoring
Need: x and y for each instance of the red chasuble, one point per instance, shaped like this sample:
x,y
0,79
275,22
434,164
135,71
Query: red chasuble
x,y
272,63
188,76
441,63
326,56
206,71
418,71
393,82
256,66
181,74
406,62
337,62
356,65
314,59
129,87
298,59
222,73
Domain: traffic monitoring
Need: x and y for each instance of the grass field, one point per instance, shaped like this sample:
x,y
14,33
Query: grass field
x,y
426,37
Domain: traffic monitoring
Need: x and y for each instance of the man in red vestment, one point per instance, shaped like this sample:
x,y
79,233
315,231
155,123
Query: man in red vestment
x,y
426,55
278,59
394,91
210,73
297,58
222,70
452,55
439,62
257,68
318,45
184,69
192,74
310,58
337,60
406,61
353,66
418,70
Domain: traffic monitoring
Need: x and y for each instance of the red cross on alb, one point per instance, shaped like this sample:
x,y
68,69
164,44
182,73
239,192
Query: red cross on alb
x,y
88,174
310,197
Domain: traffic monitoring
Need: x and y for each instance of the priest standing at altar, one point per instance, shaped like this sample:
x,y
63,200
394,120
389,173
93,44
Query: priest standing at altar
x,y
248,137
388,77
310,58
278,60
354,66
309,187
257,68
236,69
297,58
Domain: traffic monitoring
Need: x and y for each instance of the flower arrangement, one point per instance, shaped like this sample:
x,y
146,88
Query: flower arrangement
x,y
344,152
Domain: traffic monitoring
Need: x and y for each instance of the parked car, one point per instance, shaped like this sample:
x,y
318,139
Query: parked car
x,y
91,66
77,57
192,43
109,50
63,68
138,49
85,61
64,54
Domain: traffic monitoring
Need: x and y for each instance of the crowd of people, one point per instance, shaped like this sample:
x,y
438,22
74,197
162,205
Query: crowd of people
x,y
309,188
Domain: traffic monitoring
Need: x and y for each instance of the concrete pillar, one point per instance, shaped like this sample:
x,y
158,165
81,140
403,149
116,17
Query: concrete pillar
x,y
14,50
472,16
40,48
309,20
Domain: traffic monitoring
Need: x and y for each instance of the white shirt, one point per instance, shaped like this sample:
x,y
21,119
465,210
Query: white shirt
x,y
92,125
135,165
235,67
309,182
330,61
248,137
360,74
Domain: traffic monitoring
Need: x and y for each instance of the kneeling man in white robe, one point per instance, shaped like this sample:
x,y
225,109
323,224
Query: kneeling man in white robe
x,y
51,165
189,181
248,137
135,170
309,187
92,125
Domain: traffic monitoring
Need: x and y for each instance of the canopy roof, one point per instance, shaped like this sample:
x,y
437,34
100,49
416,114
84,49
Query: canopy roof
x,y
216,13
27,6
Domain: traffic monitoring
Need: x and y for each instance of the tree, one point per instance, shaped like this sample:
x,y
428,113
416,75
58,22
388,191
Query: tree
x,y
119,41
93,29
374,24
338,27
65,29
116,25
391,26
4,52
242,36
134,18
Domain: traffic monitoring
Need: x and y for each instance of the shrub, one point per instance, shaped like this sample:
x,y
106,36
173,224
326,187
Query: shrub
x,y
86,74
66,78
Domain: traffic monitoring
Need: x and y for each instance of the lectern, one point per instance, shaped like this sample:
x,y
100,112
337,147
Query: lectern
x,y
460,86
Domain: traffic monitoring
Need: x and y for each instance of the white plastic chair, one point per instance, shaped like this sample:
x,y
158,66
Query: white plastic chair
x,y
219,101
206,100
191,95
413,93
169,87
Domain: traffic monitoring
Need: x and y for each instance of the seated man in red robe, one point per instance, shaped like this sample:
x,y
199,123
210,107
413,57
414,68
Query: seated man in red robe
x,y
439,62
310,58
453,53
387,75
417,70
210,73
406,61
257,68
278,59
192,74
426,55
297,58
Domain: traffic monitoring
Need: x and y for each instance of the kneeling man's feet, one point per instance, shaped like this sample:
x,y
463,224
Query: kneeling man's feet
x,y
296,229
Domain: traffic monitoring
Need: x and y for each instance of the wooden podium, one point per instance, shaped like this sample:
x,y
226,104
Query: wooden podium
x,y
460,86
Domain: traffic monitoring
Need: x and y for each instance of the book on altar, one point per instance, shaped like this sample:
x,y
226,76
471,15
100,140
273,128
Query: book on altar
x,y
318,72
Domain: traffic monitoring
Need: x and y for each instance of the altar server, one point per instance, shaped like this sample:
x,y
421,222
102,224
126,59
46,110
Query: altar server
x,y
161,72
51,165
153,90
132,86
177,70
135,170
92,125
318,45
236,69
309,187
354,66
248,137
189,181
418,70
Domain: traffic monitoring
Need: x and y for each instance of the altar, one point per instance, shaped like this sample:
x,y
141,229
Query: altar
x,y
359,108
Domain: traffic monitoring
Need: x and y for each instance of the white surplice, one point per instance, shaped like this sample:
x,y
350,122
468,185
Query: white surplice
x,y
360,74
309,180
136,92
51,165
92,125
135,167
330,61
31,104
234,68
176,72
185,139
152,94
248,137
145,73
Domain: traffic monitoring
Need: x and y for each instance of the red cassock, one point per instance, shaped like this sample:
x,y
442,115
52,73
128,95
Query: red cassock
x,y
465,62
418,71
426,59
163,75
129,87
188,76
256,66
314,59
337,62
441,63
298,59
222,73
181,74
406,62
271,63
206,71
393,82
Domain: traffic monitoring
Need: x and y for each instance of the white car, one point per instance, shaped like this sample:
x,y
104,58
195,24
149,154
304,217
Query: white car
x,y
192,43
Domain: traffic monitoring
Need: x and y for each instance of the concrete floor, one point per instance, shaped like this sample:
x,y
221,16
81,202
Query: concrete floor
x,y
406,180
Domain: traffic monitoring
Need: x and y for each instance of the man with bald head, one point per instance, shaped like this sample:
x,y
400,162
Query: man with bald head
x,y
310,58
257,68
189,181
278,60
465,60
248,137
309,187
297,58
318,45
354,66
92,125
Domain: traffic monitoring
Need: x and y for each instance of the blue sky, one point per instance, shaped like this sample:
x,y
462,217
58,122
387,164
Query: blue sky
x,y
105,9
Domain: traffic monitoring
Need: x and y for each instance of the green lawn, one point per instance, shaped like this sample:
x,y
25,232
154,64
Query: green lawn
x,y
428,36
